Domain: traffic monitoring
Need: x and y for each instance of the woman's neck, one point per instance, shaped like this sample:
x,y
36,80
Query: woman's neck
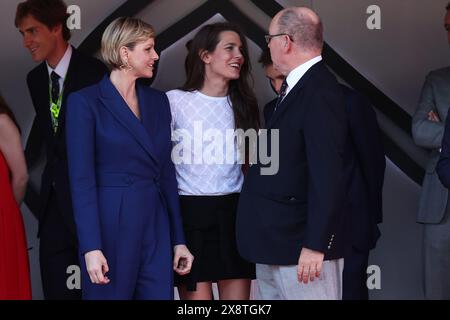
x,y
125,83
215,87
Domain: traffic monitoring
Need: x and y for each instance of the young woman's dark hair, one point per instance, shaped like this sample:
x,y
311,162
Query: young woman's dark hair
x,y
4,109
243,100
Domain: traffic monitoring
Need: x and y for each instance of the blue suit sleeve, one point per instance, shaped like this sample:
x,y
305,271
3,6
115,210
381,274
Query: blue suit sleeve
x,y
169,187
80,136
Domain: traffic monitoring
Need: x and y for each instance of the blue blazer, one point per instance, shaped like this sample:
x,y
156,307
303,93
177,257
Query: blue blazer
x,y
301,205
364,163
122,178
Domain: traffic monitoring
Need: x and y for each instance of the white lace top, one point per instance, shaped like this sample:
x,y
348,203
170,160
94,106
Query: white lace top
x,y
205,152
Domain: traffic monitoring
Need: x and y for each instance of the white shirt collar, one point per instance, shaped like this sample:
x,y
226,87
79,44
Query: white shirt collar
x,y
295,75
63,64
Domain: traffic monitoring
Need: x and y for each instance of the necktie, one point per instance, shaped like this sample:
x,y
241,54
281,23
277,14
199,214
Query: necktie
x,y
55,86
283,88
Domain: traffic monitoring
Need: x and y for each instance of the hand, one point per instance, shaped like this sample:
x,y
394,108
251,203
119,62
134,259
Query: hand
x,y
97,267
182,260
433,116
309,265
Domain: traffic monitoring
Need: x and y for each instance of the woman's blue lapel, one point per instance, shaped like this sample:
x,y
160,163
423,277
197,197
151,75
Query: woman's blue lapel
x,y
113,101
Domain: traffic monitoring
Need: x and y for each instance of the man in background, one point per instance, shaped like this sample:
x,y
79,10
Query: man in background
x,y
428,126
275,78
365,164
62,70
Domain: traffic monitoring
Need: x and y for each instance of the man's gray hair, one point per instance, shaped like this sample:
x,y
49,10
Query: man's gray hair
x,y
306,33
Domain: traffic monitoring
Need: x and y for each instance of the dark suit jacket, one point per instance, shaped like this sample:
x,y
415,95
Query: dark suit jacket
x,y
83,71
365,164
268,110
302,204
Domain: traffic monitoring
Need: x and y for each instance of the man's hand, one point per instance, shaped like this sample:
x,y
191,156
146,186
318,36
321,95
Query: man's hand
x,y
433,116
309,265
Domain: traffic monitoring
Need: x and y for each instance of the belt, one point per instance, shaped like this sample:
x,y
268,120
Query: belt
x,y
122,179
127,180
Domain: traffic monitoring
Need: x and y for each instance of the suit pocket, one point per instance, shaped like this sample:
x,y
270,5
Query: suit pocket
x,y
284,199
283,214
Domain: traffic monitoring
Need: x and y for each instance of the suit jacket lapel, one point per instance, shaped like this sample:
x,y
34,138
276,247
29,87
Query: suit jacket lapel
x,y
288,101
113,101
148,117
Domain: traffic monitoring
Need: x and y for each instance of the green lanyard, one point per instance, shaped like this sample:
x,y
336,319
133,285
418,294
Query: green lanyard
x,y
55,107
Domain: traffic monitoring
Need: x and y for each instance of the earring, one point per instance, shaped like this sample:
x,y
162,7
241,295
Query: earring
x,y
126,67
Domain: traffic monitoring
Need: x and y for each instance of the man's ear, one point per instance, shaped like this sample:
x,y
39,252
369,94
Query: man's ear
x,y
205,56
287,46
57,29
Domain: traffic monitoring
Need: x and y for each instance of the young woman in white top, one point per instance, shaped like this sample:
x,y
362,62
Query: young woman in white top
x,y
215,100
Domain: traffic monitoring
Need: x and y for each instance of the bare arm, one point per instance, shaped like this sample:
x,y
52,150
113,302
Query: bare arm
x,y
11,147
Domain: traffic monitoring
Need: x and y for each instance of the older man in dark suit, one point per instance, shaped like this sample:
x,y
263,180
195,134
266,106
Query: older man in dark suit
x,y
291,223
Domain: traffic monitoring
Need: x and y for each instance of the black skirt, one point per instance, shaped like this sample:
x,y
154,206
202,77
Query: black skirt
x,y
209,226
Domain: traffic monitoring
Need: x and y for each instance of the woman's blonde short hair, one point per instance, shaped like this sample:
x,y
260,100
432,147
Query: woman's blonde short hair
x,y
124,31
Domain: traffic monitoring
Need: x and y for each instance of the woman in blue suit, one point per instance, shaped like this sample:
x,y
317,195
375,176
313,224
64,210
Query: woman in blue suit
x,y
123,183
